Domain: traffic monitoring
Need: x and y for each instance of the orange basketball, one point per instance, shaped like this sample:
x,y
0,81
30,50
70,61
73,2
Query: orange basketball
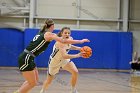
x,y
87,50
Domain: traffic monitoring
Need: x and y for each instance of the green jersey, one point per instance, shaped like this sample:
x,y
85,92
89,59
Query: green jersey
x,y
38,44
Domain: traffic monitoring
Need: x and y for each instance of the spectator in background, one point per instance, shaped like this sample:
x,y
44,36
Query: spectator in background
x,y
135,63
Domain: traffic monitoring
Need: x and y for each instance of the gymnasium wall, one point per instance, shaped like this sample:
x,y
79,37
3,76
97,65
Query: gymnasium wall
x,y
11,44
111,50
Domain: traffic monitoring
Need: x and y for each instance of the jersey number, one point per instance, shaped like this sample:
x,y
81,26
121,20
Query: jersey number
x,y
36,37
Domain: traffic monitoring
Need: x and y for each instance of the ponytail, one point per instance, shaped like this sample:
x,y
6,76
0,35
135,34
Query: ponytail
x,y
47,24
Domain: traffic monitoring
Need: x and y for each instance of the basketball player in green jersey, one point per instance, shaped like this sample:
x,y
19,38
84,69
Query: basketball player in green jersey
x,y
39,43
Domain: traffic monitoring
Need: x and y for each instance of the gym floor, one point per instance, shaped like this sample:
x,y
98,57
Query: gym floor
x,y
90,81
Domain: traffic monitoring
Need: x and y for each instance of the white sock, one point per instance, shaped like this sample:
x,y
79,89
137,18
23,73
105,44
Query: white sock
x,y
16,91
42,91
73,88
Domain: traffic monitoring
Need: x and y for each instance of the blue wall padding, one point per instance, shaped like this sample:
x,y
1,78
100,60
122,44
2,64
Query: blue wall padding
x,y
111,50
11,44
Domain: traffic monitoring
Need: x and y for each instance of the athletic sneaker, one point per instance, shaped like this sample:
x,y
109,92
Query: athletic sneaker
x,y
74,91
42,91
16,92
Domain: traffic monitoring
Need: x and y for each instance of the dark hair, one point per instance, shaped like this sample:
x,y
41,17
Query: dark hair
x,y
47,24
61,31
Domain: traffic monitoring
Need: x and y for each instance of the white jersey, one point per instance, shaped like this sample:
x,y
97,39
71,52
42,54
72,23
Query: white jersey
x,y
56,58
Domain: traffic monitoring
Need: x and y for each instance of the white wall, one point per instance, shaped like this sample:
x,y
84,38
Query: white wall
x,y
136,41
94,14
100,8
90,9
56,8
134,26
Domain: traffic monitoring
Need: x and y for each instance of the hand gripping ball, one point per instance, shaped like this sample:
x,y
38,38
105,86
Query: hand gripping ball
x,y
86,51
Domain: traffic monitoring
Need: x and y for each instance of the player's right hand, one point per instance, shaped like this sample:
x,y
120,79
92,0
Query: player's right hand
x,y
85,40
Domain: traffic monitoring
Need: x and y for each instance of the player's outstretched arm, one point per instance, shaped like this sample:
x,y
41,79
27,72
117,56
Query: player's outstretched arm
x,y
75,47
52,36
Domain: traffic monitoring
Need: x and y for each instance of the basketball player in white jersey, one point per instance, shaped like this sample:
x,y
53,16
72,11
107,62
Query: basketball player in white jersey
x,y
61,59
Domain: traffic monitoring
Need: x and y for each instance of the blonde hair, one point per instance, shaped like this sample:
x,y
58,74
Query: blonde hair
x,y
47,24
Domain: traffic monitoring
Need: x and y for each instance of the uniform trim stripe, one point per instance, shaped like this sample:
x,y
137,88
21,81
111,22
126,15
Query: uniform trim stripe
x,y
42,42
26,62
41,45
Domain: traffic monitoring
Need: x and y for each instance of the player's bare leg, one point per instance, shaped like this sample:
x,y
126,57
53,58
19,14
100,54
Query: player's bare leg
x,y
70,67
46,83
31,81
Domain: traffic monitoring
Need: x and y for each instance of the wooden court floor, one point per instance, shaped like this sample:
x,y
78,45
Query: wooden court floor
x,y
90,81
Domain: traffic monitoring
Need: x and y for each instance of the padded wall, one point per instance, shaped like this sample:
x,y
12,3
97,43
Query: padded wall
x,y
111,50
11,44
